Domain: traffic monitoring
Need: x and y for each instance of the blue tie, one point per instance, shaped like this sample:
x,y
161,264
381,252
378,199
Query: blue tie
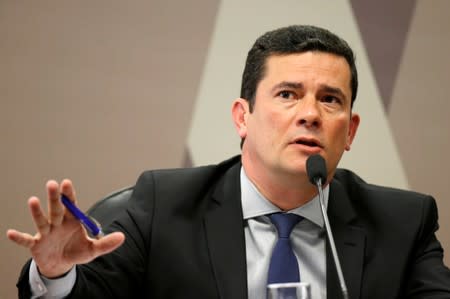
x,y
283,264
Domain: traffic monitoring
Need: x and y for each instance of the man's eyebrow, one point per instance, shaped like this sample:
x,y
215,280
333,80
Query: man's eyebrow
x,y
288,84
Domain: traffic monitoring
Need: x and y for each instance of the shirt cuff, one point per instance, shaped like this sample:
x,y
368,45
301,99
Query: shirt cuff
x,y
42,287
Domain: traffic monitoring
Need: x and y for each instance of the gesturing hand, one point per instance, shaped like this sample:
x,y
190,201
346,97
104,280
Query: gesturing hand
x,y
61,241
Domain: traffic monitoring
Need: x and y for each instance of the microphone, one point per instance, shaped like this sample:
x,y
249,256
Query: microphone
x,y
317,174
316,169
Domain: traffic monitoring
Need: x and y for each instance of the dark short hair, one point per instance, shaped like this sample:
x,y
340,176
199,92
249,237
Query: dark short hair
x,y
290,40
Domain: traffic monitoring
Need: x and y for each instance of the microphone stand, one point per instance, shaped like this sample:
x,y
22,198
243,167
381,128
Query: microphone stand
x,y
330,237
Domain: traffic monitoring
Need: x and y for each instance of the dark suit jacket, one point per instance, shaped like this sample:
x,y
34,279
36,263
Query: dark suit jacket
x,y
185,239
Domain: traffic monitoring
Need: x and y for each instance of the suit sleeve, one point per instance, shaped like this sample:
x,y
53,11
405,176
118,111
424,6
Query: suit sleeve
x,y
429,277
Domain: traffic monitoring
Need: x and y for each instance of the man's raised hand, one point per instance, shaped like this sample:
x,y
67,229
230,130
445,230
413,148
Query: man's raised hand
x,y
61,241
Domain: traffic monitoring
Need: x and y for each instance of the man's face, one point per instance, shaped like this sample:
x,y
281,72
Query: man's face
x,y
302,107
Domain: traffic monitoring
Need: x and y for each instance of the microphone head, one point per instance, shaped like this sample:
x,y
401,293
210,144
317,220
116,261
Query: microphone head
x,y
316,169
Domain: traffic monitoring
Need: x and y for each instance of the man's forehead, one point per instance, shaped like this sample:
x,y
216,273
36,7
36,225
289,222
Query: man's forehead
x,y
277,58
277,65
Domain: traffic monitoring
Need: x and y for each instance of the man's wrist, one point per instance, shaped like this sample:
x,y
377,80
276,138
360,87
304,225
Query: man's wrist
x,y
53,277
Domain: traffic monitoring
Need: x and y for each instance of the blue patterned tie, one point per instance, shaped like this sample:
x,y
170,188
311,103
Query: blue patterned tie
x,y
283,264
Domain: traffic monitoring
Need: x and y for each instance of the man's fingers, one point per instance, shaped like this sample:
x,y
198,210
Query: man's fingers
x,y
22,239
55,207
108,243
40,221
67,189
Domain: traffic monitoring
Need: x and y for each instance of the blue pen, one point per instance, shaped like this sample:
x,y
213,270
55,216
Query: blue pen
x,y
94,229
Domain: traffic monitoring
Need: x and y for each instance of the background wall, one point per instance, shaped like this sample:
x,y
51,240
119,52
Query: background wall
x,y
98,91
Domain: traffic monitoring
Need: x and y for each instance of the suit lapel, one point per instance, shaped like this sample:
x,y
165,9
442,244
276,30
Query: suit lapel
x,y
224,227
350,244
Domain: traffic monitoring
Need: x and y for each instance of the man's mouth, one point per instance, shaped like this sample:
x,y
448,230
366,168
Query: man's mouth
x,y
308,142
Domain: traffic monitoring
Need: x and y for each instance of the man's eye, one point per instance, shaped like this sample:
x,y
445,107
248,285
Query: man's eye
x,y
331,99
285,94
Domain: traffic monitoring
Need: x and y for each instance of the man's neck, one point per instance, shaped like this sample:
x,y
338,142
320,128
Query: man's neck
x,y
286,191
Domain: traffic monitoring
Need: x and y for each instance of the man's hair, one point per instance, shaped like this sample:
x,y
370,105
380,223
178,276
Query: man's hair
x,y
291,40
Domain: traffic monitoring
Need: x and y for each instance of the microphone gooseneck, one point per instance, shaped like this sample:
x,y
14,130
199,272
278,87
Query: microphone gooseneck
x,y
317,174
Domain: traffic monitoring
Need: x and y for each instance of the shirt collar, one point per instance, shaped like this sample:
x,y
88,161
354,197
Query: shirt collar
x,y
254,204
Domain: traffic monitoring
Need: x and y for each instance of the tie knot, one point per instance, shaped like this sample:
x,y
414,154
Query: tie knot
x,y
284,222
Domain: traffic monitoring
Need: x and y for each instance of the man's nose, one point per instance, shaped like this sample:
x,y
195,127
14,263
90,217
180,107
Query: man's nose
x,y
308,113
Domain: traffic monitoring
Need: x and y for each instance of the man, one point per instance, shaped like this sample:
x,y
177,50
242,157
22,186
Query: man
x,y
207,232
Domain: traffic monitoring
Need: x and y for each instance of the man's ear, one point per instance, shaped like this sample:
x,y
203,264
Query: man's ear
x,y
239,112
354,124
